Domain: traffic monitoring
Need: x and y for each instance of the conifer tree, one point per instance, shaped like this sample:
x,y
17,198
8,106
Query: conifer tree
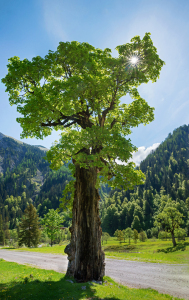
x,y
2,235
6,228
29,232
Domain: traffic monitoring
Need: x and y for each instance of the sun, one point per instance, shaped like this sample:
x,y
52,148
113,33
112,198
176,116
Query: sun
x,y
134,60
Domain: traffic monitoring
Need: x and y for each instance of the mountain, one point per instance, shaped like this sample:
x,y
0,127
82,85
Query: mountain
x,y
167,175
25,176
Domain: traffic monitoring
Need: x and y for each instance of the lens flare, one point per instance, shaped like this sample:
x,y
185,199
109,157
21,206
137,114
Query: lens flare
x,y
134,60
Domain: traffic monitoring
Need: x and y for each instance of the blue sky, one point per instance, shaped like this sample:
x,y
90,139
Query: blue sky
x,y
31,28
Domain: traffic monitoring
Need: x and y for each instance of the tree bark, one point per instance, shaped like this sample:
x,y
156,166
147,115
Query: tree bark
x,y
85,255
173,239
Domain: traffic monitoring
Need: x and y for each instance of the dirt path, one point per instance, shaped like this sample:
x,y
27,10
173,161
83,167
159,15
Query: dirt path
x,y
168,279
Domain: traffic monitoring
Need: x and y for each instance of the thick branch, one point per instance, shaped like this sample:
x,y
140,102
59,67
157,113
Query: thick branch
x,y
59,123
110,173
113,122
104,113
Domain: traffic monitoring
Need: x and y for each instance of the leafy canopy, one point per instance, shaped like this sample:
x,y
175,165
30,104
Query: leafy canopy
x,y
170,218
52,223
77,89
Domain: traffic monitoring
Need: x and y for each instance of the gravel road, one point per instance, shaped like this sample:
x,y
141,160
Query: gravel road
x,y
168,279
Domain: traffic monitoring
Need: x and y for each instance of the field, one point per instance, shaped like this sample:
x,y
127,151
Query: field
x,y
155,251
23,282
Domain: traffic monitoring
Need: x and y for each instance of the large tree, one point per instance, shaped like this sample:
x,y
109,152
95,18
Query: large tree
x,y
77,89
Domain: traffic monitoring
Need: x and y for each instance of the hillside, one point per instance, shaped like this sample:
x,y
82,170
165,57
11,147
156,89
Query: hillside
x,y
25,177
167,175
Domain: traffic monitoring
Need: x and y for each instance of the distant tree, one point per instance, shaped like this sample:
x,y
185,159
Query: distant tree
x,y
6,228
68,235
187,203
180,233
14,235
169,220
154,232
187,228
120,236
129,233
135,235
105,237
136,223
2,234
142,236
162,235
52,223
124,234
63,235
29,232
116,233
149,233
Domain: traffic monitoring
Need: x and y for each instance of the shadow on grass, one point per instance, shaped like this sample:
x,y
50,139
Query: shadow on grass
x,y
178,247
9,248
35,289
119,248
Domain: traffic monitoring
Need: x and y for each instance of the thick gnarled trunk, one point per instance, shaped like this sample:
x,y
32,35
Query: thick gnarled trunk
x,y
85,255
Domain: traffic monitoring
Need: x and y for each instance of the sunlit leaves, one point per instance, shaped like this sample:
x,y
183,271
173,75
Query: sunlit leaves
x,y
77,89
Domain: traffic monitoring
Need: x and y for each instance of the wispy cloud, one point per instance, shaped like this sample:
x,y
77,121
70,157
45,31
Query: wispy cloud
x,y
53,20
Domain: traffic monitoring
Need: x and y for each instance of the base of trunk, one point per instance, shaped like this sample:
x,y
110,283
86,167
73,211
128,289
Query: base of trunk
x,y
173,240
85,255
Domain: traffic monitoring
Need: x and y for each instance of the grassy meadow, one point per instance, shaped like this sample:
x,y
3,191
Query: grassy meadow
x,y
24,282
153,250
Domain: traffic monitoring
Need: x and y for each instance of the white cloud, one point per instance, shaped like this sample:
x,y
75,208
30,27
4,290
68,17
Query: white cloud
x,y
141,154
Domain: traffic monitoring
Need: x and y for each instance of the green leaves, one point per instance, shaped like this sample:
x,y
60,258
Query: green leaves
x,y
77,89
169,219
52,222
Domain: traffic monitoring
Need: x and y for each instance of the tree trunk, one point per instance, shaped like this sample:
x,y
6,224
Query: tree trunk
x,y
86,258
173,239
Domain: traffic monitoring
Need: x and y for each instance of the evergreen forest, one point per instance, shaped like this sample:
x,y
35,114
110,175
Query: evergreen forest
x,y
25,177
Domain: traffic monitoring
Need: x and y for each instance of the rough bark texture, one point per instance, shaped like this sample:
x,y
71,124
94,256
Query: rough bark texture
x,y
85,255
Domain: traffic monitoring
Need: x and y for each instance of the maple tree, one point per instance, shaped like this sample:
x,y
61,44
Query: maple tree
x,y
77,89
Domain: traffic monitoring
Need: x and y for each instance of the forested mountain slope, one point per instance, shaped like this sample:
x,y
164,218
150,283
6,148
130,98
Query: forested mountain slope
x,y
167,175
25,177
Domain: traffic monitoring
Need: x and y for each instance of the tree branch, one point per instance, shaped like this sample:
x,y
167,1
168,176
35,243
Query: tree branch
x,y
113,122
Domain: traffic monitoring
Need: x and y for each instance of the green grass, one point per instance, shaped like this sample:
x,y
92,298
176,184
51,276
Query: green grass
x,y
22,282
155,251
55,249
